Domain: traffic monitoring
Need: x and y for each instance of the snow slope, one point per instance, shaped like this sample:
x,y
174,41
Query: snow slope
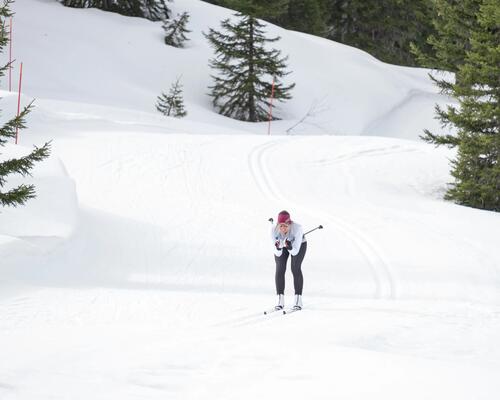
x,y
123,62
142,268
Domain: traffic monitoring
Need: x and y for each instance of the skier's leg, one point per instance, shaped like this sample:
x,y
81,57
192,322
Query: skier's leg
x,y
298,279
280,272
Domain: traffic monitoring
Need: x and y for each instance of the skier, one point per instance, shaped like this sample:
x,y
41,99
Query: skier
x,y
288,239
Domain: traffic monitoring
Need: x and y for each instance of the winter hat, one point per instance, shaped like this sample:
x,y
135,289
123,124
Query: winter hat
x,y
284,217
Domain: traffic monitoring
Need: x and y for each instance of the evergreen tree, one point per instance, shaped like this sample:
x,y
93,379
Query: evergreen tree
x,y
384,28
477,120
309,16
453,22
175,30
78,3
262,9
22,193
216,2
173,103
154,10
245,69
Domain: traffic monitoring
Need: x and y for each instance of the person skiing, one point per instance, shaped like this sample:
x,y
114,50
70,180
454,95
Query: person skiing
x,y
288,239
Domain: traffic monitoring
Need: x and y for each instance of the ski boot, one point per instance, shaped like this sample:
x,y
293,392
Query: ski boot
x,y
281,302
298,302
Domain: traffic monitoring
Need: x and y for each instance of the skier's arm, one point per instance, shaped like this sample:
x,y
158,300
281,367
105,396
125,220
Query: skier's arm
x,y
274,239
299,235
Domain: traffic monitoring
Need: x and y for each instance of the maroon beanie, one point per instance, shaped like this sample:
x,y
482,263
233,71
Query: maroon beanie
x,y
284,217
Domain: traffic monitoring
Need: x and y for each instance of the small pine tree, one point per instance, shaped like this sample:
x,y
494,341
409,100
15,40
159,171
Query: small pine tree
x,y
172,104
242,88
175,30
477,88
22,193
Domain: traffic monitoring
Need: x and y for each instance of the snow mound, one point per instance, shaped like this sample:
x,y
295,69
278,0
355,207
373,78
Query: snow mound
x,y
53,213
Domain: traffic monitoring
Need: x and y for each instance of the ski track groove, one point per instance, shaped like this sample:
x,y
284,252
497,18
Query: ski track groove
x,y
385,286
376,152
260,173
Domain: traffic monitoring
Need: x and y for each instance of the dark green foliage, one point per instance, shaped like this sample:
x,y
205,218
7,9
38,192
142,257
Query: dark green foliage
x,y
384,28
453,22
309,16
22,193
477,119
172,105
5,13
18,195
175,30
262,9
154,10
243,85
78,3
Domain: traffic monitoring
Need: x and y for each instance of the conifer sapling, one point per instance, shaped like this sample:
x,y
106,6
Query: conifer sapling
x,y
175,30
172,104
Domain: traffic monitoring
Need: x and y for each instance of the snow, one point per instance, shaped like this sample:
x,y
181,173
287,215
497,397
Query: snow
x,y
143,267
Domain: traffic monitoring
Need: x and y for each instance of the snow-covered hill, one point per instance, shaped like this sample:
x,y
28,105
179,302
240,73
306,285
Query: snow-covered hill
x,y
142,269
89,56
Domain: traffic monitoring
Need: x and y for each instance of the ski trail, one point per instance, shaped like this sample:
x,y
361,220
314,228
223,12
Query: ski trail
x,y
260,173
371,152
385,286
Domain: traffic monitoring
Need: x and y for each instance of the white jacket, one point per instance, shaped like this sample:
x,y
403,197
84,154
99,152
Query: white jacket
x,y
295,235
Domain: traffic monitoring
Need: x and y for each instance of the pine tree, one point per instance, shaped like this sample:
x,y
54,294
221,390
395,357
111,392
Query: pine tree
x,y
21,194
175,30
453,22
78,3
173,103
309,16
477,119
243,85
262,9
384,28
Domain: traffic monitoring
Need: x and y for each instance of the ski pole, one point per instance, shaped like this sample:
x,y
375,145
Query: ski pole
x,y
312,230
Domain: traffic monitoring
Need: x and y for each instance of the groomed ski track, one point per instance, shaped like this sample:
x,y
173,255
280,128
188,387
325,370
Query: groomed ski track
x,y
273,189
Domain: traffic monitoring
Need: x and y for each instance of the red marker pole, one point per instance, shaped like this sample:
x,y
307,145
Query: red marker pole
x,y
10,55
271,108
19,97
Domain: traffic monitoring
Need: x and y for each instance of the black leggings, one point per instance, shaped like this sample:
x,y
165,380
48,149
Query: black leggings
x,y
298,279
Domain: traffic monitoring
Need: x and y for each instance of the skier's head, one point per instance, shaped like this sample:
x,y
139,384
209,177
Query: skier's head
x,y
284,218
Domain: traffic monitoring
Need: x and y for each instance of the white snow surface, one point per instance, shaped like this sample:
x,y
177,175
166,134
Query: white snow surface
x,y
143,267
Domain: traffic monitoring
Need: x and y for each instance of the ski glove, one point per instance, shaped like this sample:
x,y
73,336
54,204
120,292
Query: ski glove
x,y
277,245
288,245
